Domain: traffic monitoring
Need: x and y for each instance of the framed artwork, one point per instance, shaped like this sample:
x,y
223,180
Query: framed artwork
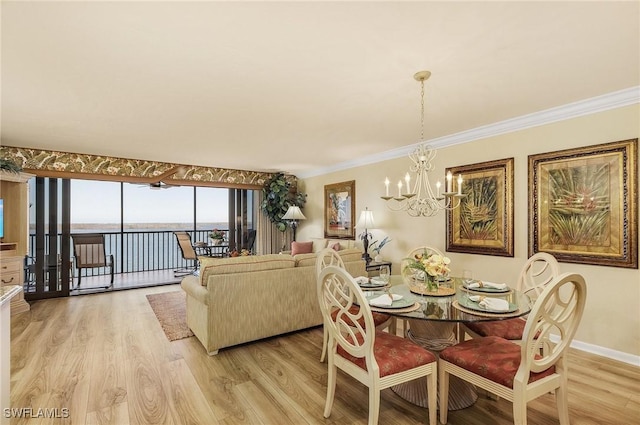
x,y
339,207
483,224
583,204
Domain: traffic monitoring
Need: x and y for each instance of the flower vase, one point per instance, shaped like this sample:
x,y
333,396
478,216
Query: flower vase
x,y
431,283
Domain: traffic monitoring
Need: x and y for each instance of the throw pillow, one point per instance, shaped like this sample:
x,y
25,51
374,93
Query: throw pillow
x,y
301,248
336,246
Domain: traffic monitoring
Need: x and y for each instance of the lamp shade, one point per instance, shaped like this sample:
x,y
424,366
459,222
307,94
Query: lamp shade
x,y
366,220
294,213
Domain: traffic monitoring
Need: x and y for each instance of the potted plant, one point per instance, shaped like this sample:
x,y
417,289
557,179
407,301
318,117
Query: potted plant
x,y
216,236
377,246
278,196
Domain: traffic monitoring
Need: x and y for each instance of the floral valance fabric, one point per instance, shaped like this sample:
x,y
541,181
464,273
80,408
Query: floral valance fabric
x,y
74,165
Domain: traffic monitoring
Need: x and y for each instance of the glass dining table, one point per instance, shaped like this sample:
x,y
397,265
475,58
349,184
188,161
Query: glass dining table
x,y
433,322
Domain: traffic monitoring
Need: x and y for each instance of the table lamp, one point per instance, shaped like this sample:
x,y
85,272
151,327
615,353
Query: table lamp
x,y
366,221
294,214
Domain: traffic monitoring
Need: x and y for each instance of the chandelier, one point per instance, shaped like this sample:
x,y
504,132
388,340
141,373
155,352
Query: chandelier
x,y
421,200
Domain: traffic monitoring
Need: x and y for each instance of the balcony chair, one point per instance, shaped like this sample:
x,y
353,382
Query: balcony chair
x,y
30,270
89,253
188,253
376,359
539,270
518,373
329,257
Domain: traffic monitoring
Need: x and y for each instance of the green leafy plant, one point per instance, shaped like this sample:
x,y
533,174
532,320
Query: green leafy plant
x,y
9,165
278,197
377,246
216,234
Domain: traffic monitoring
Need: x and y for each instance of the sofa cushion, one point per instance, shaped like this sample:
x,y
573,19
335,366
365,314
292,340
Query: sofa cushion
x,y
301,248
319,244
303,260
350,254
249,263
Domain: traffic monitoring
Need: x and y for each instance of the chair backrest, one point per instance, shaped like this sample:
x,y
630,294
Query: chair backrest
x,y
354,329
328,257
539,270
184,242
89,250
414,254
557,310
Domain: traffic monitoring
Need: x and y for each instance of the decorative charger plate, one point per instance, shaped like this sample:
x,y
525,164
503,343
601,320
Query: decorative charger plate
x,y
465,285
465,302
401,303
373,283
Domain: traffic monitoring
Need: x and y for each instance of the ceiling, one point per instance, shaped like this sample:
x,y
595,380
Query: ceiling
x,y
295,86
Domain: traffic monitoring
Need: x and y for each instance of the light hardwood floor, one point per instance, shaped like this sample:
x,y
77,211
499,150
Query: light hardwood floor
x,y
105,358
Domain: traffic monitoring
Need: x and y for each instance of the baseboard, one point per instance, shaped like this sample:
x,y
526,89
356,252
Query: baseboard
x,y
604,352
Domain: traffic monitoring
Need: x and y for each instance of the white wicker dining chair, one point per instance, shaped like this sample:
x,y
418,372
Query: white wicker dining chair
x,y
376,359
518,373
538,271
329,257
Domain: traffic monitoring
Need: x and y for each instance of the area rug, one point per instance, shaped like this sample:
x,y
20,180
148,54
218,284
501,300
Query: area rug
x,y
171,311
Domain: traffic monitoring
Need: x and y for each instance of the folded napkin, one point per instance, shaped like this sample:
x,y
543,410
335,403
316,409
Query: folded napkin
x,y
377,280
484,284
384,300
493,304
361,279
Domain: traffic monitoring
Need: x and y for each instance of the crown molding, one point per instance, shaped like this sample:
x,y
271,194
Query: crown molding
x,y
590,106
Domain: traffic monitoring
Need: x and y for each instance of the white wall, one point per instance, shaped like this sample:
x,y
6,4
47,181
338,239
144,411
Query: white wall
x,y
611,323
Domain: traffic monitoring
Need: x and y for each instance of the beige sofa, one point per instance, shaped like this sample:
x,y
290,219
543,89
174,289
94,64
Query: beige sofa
x,y
242,299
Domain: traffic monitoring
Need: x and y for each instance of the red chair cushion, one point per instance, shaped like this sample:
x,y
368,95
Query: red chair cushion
x,y
510,329
378,318
492,357
393,354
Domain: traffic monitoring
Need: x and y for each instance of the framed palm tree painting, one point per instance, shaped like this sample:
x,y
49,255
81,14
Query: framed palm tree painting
x,y
483,224
583,204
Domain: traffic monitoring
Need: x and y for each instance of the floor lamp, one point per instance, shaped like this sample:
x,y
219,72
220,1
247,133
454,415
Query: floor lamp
x,y
294,214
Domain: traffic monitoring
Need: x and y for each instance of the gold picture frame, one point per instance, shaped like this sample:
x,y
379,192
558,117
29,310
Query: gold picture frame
x,y
339,207
583,204
483,224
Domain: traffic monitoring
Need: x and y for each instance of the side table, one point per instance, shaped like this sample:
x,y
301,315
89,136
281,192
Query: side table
x,y
373,267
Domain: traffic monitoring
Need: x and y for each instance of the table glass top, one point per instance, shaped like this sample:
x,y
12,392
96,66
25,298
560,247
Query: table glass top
x,y
452,308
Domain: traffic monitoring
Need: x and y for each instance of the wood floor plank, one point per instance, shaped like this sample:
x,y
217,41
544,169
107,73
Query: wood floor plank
x,y
188,404
106,358
216,381
115,414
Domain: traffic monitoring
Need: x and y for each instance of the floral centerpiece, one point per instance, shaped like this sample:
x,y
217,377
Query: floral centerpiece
x,y
217,236
428,268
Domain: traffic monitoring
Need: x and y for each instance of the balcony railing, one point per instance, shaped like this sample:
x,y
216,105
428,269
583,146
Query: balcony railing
x,y
138,251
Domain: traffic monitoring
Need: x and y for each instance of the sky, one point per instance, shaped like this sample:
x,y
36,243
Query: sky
x,y
99,202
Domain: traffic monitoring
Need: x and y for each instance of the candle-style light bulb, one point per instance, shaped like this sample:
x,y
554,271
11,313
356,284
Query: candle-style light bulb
x,y
438,184
399,188
407,179
449,182
459,184
386,185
